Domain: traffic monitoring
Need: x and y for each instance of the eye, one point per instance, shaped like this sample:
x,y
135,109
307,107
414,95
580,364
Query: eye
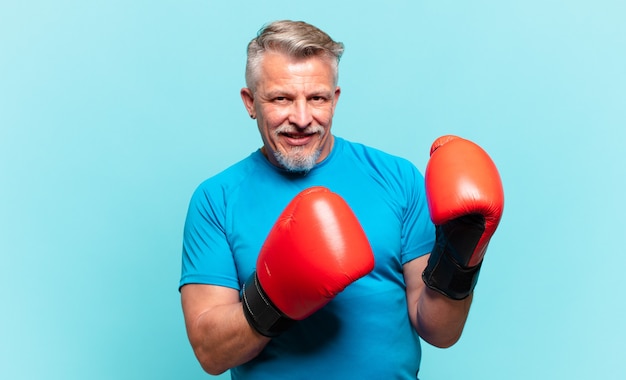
x,y
280,99
318,99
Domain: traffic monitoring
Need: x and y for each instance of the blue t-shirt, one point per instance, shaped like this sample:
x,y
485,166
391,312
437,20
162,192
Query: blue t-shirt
x,y
365,331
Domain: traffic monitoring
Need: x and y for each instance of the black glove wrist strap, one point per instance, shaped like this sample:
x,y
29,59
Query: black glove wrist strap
x,y
260,312
445,275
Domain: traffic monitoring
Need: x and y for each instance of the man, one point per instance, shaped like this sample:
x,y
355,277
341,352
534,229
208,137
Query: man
x,y
247,279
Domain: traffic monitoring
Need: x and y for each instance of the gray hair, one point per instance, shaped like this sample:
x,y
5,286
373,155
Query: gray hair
x,y
295,38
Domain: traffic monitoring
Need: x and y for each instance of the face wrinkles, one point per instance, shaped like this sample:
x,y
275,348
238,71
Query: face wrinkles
x,y
294,104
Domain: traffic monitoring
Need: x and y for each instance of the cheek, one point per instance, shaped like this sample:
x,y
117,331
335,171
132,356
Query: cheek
x,y
274,117
323,116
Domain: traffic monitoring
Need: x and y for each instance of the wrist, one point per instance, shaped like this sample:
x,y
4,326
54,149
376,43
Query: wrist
x,y
260,312
446,275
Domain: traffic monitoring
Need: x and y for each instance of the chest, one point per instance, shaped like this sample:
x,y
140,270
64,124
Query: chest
x,y
251,217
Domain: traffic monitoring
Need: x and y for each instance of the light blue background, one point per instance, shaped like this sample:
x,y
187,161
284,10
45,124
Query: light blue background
x,y
111,112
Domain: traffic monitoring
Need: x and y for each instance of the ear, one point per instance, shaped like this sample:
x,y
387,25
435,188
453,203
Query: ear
x,y
248,101
336,97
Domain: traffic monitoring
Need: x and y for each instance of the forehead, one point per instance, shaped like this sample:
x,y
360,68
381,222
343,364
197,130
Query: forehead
x,y
278,68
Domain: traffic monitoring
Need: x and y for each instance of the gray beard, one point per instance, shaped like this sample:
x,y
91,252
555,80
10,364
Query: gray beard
x,y
296,161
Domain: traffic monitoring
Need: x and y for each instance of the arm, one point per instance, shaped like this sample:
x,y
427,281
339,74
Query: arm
x,y
217,329
438,319
315,249
465,201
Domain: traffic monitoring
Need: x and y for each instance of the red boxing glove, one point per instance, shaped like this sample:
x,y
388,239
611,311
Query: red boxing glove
x,y
316,248
465,200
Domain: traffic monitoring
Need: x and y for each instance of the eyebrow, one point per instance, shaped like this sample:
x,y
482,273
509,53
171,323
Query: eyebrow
x,y
315,92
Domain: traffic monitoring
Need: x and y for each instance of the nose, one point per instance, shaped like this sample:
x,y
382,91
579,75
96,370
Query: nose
x,y
301,115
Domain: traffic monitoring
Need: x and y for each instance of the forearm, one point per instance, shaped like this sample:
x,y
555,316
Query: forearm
x,y
225,339
218,330
440,320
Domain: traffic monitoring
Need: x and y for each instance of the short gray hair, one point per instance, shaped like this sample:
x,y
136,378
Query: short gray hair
x,y
295,38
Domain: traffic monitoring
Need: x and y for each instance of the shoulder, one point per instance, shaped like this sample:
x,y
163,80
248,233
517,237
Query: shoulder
x,y
218,186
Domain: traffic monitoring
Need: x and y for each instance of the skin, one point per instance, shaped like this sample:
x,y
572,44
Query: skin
x,y
295,96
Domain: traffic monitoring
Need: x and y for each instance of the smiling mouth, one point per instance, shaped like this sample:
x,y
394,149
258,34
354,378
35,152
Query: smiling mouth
x,y
298,135
299,138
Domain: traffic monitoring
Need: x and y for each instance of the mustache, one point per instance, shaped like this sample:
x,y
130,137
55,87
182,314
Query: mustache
x,y
289,129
